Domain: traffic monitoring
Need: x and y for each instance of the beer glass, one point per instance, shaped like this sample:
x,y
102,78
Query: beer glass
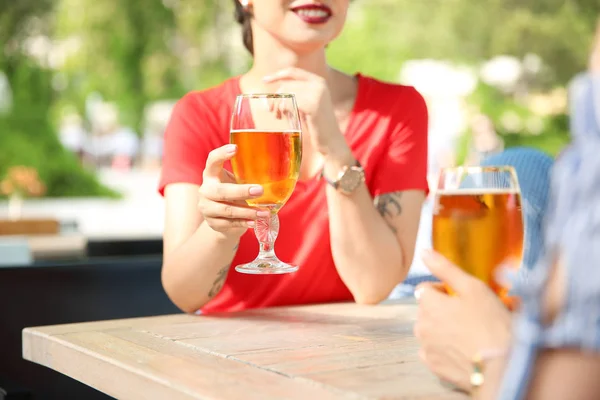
x,y
478,223
266,130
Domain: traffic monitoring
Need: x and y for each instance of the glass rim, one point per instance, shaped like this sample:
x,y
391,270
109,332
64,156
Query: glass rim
x,y
482,168
467,170
266,96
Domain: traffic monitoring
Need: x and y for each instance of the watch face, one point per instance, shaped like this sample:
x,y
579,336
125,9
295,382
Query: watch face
x,y
351,179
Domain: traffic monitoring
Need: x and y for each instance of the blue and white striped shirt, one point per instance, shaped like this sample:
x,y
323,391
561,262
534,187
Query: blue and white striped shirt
x,y
572,232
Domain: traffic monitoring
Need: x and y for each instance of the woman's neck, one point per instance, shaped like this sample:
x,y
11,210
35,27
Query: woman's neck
x,y
271,56
270,60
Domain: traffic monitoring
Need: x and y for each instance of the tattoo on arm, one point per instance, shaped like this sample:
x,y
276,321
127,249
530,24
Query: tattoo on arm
x,y
389,207
219,281
221,277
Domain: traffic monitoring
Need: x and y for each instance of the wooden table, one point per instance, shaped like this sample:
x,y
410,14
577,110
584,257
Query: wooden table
x,y
335,351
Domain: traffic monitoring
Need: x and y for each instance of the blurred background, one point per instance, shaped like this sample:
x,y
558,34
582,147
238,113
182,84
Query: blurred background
x,y
87,87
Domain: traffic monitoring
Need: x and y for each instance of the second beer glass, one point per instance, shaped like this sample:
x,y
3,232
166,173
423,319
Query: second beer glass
x,y
478,222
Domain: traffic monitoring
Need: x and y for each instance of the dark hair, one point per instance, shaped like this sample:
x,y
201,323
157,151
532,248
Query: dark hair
x,y
243,16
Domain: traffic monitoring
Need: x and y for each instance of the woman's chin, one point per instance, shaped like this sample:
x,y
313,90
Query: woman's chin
x,y
309,42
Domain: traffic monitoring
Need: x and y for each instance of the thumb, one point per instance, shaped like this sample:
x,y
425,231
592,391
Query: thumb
x,y
446,271
216,158
227,177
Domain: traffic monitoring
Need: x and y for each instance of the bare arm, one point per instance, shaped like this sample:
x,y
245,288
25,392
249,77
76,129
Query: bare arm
x,y
372,241
202,231
565,374
562,373
370,257
196,258
558,374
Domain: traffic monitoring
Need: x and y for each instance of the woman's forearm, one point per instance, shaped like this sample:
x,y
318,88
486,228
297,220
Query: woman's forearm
x,y
195,272
494,370
366,251
564,373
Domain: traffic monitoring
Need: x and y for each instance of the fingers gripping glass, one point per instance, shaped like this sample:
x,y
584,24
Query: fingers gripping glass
x,y
478,223
266,130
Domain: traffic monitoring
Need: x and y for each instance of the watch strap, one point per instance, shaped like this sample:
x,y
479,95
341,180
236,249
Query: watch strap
x,y
336,183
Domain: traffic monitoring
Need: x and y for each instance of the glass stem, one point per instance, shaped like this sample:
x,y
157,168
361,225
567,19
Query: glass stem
x,y
266,230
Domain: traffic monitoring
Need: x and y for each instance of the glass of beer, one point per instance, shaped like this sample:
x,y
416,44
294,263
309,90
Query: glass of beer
x,y
266,129
478,223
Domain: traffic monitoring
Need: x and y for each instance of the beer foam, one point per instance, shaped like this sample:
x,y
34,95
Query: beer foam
x,y
283,132
475,191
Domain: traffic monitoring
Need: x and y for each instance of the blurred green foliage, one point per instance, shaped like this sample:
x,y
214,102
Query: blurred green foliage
x,y
133,52
553,134
552,140
382,34
27,135
378,39
28,138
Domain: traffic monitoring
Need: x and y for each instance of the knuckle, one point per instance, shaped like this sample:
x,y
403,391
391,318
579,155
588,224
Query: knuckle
x,y
238,223
228,211
219,192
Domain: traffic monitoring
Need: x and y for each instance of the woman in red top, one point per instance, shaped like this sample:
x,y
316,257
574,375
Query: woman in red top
x,y
351,242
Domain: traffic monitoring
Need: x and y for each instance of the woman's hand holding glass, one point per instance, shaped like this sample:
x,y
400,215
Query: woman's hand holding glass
x,y
453,329
266,130
222,201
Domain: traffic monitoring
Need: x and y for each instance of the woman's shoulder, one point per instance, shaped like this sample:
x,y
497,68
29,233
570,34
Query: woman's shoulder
x,y
385,90
401,104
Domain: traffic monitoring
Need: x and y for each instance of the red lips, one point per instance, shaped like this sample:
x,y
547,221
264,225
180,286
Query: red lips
x,y
313,13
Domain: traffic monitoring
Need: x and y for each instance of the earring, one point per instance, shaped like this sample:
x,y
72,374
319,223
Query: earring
x,y
245,4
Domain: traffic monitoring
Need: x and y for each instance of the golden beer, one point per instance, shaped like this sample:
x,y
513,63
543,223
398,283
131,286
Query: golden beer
x,y
481,231
268,158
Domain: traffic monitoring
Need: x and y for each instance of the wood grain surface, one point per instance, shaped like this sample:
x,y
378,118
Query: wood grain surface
x,y
335,351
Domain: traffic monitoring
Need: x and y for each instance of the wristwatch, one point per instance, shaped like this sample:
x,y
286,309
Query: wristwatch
x,y
349,178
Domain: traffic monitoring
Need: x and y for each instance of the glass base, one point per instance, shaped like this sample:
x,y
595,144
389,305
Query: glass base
x,y
268,266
